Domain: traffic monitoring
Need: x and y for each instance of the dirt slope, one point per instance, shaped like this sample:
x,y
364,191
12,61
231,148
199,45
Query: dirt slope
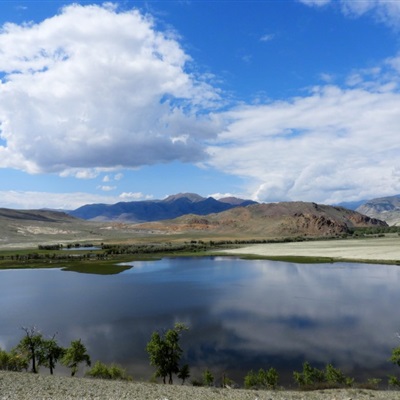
x,y
272,220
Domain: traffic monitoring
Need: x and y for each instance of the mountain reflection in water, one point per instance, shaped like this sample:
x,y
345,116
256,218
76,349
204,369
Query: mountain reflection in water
x,y
242,314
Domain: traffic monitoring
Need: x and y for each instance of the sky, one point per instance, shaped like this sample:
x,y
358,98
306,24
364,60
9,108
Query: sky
x,y
274,100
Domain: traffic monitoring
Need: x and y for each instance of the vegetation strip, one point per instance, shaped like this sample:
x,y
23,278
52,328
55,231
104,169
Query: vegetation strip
x,y
165,354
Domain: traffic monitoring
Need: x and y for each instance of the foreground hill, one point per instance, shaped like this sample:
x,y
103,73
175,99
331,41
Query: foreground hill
x,y
384,208
155,210
272,220
24,386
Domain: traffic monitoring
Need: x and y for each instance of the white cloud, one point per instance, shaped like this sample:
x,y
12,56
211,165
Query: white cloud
x,y
332,145
218,196
385,11
116,177
37,200
267,37
106,188
96,88
65,201
317,3
133,196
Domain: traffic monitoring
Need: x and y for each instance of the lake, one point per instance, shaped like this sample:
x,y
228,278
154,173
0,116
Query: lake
x,y
242,314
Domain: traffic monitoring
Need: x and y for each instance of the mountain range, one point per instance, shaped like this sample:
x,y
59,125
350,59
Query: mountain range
x,y
156,210
204,217
175,206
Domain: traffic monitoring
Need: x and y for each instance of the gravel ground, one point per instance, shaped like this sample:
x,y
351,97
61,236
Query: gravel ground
x,y
24,386
371,249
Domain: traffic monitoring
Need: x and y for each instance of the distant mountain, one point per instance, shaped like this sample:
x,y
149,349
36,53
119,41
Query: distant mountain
x,y
384,208
156,210
34,215
270,220
351,205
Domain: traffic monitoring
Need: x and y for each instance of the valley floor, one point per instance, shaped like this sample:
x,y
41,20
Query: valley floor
x,y
366,249
23,386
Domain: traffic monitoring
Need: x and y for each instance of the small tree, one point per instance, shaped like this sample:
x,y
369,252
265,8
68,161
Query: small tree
x,y
30,345
208,378
50,353
75,355
395,359
165,352
184,373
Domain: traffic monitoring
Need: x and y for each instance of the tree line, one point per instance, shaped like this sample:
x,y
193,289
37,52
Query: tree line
x,y
165,354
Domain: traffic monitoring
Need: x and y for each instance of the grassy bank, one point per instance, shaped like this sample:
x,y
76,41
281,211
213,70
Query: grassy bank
x,y
105,260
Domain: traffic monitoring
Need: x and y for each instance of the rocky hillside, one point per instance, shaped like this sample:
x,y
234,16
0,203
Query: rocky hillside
x,y
384,208
272,220
156,210
21,228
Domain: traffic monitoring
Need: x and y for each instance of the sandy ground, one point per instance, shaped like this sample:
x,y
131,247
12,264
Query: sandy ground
x,y
371,249
24,386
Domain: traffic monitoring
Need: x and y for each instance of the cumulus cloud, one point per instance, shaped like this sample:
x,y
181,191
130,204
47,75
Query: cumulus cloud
x,y
331,145
93,87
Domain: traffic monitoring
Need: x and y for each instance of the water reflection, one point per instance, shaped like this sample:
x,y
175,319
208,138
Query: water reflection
x,y
243,314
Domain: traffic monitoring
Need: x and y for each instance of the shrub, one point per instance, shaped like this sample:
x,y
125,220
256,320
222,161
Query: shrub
x,y
334,375
373,383
395,359
102,371
309,376
208,378
263,379
13,361
197,382
313,378
393,381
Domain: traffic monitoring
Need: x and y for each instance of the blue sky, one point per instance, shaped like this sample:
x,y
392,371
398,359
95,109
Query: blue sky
x,y
270,100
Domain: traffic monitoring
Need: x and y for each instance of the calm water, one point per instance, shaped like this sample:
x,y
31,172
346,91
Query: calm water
x,y
243,314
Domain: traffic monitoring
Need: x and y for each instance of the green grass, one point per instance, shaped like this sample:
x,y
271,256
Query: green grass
x,y
105,261
98,269
293,259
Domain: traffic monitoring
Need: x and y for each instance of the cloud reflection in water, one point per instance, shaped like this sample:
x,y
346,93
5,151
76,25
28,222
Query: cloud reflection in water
x,y
243,314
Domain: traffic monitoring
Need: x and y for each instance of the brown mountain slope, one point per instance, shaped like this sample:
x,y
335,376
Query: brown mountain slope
x,y
271,220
